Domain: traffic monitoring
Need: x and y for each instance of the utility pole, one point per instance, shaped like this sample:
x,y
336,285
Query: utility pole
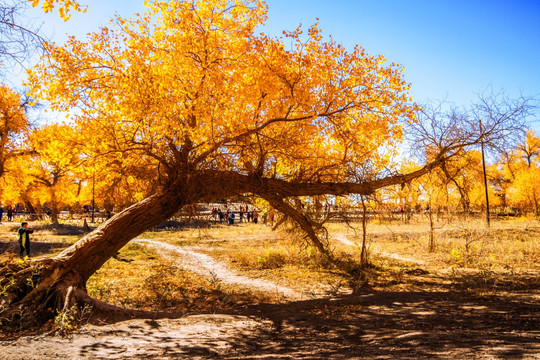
x,y
484,172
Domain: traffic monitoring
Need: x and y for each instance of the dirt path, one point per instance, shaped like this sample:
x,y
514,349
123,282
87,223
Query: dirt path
x,y
207,266
343,239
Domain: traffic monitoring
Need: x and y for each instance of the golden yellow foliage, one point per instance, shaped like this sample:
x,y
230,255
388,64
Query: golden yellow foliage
x,y
13,124
524,192
522,175
64,6
54,166
193,83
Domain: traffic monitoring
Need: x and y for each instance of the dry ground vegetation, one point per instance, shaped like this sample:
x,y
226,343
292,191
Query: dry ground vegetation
x,y
476,296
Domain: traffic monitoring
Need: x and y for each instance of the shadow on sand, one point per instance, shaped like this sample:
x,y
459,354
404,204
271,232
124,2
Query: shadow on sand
x,y
382,325
37,248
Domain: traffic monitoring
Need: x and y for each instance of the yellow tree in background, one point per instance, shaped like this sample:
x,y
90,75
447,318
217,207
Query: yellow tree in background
x,y
52,169
523,168
15,183
13,125
463,172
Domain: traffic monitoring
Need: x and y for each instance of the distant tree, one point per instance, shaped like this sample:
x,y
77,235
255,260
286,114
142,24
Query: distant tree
x,y
53,166
464,173
523,167
13,125
495,122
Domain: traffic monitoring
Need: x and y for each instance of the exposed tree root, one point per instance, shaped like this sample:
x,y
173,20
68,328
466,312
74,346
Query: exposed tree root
x,y
31,298
102,312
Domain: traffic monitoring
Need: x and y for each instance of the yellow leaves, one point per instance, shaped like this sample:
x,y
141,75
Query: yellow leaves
x,y
64,7
196,72
12,116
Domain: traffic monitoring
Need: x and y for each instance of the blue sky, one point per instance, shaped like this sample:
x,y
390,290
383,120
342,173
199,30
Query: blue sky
x,y
450,49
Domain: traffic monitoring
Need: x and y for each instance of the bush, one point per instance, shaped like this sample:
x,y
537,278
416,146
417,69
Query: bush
x,y
272,259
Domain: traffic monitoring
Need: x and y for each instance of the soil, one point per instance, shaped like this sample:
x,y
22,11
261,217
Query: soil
x,y
433,323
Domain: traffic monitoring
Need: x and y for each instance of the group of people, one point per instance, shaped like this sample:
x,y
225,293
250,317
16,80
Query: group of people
x,y
9,213
229,215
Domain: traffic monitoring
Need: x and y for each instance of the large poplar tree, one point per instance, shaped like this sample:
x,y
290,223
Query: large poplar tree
x,y
213,109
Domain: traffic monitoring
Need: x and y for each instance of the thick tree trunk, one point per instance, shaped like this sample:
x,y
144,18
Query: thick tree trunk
x,y
92,251
39,211
54,208
62,281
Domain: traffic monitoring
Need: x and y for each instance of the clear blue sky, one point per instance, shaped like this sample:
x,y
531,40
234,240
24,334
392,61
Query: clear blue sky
x,y
450,49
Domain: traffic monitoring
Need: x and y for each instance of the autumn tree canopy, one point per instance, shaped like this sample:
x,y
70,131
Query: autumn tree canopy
x,y
192,91
194,85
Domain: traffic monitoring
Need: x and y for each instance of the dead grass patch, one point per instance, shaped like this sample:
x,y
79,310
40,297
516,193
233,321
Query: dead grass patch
x,y
139,278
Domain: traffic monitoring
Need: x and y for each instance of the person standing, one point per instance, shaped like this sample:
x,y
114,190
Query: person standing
x,y
24,239
1,213
221,215
255,216
10,213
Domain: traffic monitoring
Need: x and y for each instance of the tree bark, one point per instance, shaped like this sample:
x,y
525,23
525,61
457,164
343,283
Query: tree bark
x,y
68,272
484,174
91,252
54,207
214,183
431,228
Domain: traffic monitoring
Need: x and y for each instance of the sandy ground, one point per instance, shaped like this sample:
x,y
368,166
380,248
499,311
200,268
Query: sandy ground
x,y
381,325
384,325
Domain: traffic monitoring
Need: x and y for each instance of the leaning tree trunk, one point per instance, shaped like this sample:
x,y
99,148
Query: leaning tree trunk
x,y
62,279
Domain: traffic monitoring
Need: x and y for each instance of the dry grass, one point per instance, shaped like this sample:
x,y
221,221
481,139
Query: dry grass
x,y
504,258
258,252
468,255
139,278
506,244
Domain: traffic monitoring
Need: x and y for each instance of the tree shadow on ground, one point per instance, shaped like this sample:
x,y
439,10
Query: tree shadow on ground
x,y
404,324
37,248
183,224
497,282
62,229
382,325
